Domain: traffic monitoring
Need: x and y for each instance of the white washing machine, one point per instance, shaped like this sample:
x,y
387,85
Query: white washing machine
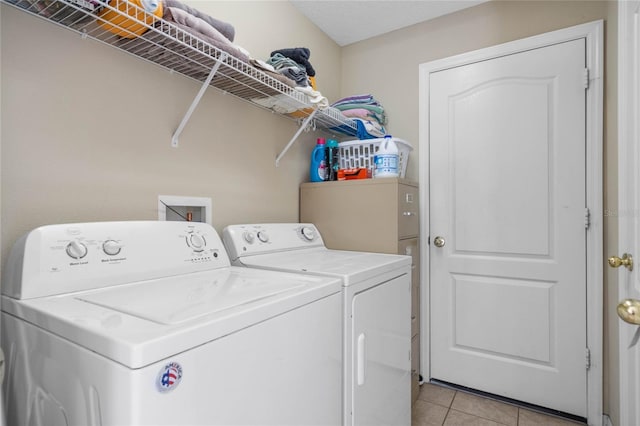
x,y
147,323
376,312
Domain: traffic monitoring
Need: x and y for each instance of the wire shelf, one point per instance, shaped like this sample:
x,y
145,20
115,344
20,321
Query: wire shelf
x,y
151,38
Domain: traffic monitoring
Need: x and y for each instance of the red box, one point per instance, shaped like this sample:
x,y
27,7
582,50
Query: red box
x,y
349,174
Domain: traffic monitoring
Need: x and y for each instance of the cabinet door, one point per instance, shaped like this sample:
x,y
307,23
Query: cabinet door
x,y
381,347
411,247
408,209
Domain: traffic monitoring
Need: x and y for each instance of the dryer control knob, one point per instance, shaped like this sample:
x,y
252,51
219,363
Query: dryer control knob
x,y
197,242
249,237
111,247
263,236
308,233
76,249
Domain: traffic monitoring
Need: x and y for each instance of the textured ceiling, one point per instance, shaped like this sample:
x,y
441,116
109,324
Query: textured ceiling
x,y
349,21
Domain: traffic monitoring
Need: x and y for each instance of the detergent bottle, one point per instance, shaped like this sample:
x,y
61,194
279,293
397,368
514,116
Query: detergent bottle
x,y
386,159
332,159
318,169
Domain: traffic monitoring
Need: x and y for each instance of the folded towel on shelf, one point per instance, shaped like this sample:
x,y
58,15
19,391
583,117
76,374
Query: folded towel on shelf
x,y
201,29
366,112
314,97
224,28
262,65
371,108
295,74
357,99
282,104
356,105
358,113
300,55
289,68
374,112
269,70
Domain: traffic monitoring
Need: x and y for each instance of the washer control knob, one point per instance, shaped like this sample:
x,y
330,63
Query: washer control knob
x,y
76,249
263,236
197,242
308,233
249,237
111,247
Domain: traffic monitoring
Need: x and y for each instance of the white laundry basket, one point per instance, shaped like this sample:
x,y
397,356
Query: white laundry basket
x,y
359,154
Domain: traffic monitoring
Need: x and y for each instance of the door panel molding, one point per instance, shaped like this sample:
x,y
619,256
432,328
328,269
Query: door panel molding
x,y
592,33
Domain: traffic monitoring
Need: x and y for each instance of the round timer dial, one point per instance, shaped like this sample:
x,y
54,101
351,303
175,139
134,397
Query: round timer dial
x,y
111,247
249,237
196,242
308,233
263,236
76,249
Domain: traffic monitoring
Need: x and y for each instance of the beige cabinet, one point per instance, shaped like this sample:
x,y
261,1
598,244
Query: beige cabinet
x,y
374,215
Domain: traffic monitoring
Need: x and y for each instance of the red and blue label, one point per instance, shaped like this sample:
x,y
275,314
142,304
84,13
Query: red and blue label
x,y
169,377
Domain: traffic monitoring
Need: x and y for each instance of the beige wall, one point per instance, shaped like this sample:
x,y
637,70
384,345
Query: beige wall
x,y
387,66
86,129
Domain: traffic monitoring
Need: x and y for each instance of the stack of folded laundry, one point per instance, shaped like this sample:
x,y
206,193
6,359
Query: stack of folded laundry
x,y
214,31
294,63
367,112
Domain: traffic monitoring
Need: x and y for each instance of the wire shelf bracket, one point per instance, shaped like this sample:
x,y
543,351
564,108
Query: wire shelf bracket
x,y
196,101
129,28
303,126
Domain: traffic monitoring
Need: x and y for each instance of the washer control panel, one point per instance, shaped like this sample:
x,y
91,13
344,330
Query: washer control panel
x,y
248,239
56,259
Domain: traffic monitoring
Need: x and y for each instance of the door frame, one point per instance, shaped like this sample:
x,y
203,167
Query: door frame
x,y
628,201
593,33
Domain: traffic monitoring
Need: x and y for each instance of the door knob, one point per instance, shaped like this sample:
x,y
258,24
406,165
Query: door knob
x,y
626,261
629,311
438,242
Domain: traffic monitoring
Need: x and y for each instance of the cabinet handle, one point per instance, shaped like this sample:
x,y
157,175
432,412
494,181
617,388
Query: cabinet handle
x,y
408,213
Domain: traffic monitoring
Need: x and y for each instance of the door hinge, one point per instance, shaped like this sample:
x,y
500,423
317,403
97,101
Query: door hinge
x,y
587,218
585,78
587,354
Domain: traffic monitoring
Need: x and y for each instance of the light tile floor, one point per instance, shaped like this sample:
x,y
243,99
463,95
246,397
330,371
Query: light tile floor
x,y
438,405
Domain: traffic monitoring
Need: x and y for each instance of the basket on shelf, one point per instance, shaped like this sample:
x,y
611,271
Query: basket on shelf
x,y
359,154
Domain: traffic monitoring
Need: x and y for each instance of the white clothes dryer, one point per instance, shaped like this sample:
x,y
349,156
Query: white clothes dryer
x,y
147,323
376,312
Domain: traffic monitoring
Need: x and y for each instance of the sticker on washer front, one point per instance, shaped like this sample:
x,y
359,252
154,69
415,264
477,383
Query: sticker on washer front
x,y
169,377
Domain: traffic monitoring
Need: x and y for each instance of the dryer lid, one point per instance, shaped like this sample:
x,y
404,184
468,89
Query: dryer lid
x,y
350,266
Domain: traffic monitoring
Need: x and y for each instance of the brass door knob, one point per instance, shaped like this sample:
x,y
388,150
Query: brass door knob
x,y
629,311
626,261
438,242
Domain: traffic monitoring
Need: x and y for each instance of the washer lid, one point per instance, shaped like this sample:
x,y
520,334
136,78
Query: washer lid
x,y
141,323
196,296
350,266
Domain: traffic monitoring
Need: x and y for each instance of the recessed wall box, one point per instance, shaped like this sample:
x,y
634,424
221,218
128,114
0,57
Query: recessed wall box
x,y
179,208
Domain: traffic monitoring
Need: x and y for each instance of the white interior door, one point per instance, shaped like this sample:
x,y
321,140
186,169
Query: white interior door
x,y
507,201
629,201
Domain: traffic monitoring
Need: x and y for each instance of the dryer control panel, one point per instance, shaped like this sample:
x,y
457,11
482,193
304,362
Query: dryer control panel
x,y
59,259
251,239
